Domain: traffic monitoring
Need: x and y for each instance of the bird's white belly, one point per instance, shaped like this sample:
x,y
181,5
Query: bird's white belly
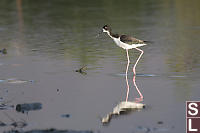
x,y
120,44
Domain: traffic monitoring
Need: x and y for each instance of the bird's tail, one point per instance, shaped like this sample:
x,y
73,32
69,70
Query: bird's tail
x,y
148,41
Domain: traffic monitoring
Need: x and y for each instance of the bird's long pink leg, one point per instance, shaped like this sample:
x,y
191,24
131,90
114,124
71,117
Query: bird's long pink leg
x,y
127,93
137,60
141,96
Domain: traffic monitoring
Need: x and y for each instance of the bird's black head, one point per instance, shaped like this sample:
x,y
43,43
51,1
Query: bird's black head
x,y
106,28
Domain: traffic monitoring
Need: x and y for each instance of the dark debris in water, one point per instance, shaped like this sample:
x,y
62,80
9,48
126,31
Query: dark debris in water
x,y
48,131
160,122
3,51
26,107
82,70
65,115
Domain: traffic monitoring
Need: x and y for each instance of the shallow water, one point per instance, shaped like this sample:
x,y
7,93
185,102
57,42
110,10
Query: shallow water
x,y
47,42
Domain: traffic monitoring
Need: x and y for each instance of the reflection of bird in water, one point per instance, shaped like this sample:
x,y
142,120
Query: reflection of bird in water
x,y
127,42
122,107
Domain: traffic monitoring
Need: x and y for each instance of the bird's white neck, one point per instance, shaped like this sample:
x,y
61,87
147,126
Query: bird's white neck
x,y
110,34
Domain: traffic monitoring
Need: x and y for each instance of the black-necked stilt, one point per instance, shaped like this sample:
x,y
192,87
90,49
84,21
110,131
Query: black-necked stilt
x,y
127,42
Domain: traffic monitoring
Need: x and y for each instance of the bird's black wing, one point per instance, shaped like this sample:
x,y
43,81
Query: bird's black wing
x,y
130,40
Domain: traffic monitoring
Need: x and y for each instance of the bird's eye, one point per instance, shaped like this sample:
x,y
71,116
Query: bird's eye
x,y
105,27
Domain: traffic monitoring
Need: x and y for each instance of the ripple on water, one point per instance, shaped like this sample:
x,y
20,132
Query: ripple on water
x,y
149,75
139,74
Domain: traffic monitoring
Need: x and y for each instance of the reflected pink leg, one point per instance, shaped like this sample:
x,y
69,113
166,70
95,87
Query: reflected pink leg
x,y
141,96
127,76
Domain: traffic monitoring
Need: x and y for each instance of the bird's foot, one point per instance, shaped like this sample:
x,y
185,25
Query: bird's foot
x,y
138,100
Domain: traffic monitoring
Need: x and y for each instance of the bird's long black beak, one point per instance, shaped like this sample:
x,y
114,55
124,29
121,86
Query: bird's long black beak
x,y
99,33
